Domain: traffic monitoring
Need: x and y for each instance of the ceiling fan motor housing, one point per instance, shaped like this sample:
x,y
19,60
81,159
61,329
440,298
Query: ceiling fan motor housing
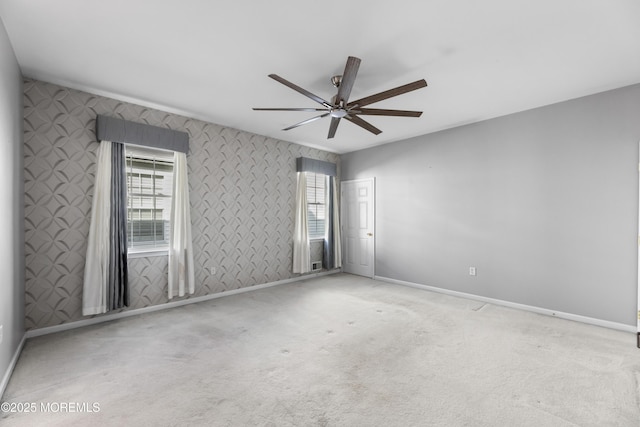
x,y
338,112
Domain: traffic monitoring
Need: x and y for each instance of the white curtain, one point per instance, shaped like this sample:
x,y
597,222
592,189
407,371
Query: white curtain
x,y
301,252
337,240
96,270
181,277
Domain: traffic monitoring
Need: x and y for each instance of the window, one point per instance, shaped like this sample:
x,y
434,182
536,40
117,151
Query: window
x,y
149,187
316,203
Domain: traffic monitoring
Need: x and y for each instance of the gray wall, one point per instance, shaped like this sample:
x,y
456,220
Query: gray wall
x,y
242,193
11,200
544,203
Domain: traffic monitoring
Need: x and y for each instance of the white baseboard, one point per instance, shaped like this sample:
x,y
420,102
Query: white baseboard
x,y
12,365
539,310
108,317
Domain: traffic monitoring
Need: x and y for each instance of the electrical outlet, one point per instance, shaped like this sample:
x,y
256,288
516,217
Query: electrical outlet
x,y
472,271
213,271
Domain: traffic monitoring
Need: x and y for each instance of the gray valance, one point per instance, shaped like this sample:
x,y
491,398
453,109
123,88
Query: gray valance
x,y
304,164
118,130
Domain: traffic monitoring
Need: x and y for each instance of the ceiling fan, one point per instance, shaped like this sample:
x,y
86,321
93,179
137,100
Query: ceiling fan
x,y
341,108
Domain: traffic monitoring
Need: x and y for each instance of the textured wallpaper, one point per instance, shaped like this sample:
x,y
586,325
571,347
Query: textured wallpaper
x,y
242,193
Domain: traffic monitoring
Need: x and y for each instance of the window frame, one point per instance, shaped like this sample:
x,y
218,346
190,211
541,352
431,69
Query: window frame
x,y
154,155
312,187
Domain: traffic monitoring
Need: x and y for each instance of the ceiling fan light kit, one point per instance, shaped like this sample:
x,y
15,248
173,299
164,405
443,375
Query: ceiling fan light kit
x,y
341,108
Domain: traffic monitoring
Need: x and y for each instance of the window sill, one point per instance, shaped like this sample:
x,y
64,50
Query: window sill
x,y
316,239
147,253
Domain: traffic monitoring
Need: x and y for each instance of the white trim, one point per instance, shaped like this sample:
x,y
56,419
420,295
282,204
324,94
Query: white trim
x,y
147,253
12,365
108,317
538,310
45,77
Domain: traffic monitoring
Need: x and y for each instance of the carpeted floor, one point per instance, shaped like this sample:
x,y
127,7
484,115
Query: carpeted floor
x,y
338,350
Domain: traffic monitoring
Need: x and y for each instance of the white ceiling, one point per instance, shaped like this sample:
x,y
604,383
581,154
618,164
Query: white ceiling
x,y
210,59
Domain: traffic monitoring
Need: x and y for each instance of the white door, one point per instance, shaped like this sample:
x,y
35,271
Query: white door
x,y
357,201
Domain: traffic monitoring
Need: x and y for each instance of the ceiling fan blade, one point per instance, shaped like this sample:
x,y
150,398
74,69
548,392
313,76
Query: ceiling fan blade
x,y
289,109
300,90
348,79
388,93
383,112
304,122
333,127
363,124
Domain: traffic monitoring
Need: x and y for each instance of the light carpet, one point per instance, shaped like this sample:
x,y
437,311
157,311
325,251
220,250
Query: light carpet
x,y
338,350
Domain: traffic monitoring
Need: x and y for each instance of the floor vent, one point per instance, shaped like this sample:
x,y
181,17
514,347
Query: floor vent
x,y
316,266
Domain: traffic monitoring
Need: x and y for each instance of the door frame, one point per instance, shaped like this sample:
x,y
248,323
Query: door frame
x,y
342,220
638,318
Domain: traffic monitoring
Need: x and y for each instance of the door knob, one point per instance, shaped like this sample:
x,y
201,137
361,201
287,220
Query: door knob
x,y
369,234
